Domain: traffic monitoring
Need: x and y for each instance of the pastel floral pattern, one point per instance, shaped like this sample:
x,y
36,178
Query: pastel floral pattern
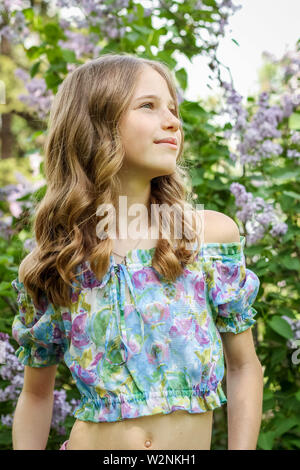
x,y
160,352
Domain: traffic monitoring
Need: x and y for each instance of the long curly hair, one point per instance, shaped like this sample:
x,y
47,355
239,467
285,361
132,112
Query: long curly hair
x,y
83,155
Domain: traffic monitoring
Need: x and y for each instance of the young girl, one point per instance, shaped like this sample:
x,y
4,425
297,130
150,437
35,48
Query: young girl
x,y
137,319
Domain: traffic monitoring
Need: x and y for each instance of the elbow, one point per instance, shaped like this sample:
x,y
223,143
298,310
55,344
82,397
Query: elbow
x,y
253,364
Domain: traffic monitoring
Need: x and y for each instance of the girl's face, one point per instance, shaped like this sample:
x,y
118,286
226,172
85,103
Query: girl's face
x,y
146,121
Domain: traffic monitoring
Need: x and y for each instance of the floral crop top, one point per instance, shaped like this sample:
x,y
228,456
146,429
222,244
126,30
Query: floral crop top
x,y
138,345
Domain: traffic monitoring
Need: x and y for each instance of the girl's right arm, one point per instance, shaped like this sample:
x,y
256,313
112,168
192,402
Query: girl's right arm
x,y
33,413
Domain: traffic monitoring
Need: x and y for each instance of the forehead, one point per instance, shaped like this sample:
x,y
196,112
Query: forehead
x,y
151,84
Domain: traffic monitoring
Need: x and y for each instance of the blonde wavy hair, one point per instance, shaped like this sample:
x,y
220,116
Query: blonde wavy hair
x,y
83,155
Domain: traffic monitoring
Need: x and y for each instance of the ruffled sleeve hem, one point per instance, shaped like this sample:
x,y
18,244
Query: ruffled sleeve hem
x,y
238,323
38,329
221,250
37,357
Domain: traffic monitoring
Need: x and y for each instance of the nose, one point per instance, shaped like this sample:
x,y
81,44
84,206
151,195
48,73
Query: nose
x,y
171,120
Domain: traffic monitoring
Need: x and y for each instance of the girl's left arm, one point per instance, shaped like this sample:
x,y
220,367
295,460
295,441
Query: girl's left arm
x,y
244,387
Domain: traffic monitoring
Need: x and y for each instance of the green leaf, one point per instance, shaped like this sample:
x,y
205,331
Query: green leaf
x,y
281,326
52,32
142,29
210,3
294,121
33,136
6,260
278,356
292,194
5,288
35,68
295,442
280,176
197,180
285,425
34,52
28,13
268,394
68,56
140,11
40,193
165,56
266,439
182,78
156,34
52,80
291,263
235,41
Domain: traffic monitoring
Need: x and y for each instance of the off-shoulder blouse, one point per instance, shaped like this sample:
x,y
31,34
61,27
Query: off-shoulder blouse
x,y
137,344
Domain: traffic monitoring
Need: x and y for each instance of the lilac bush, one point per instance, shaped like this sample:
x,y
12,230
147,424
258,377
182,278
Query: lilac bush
x,y
256,139
264,141
113,22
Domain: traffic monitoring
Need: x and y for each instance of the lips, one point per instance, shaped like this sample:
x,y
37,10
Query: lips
x,y
168,140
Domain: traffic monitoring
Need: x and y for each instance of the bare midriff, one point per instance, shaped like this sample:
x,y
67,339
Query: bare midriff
x,y
178,430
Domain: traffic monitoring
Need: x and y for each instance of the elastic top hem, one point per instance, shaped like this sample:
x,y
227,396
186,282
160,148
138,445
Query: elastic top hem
x,y
126,406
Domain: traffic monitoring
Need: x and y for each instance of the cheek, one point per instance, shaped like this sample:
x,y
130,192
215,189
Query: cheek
x,y
138,125
137,137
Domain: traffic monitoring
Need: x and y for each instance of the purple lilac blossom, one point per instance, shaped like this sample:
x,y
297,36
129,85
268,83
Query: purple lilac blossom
x,y
254,137
257,214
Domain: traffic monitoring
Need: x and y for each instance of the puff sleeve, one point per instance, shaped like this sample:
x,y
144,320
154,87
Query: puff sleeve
x,y
38,329
232,287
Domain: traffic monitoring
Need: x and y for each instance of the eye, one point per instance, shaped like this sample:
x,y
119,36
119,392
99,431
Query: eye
x,y
146,104
172,110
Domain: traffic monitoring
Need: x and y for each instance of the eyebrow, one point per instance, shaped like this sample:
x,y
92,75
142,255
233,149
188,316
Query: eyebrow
x,y
155,97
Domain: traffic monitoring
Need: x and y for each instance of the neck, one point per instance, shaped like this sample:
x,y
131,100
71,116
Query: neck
x,y
134,191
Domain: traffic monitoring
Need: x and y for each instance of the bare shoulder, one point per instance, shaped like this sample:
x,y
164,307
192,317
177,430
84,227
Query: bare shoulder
x,y
218,227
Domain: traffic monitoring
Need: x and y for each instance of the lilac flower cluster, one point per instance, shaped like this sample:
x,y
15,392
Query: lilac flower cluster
x,y
255,137
39,97
61,409
80,43
91,6
10,193
225,9
96,13
16,31
14,5
13,372
257,215
290,65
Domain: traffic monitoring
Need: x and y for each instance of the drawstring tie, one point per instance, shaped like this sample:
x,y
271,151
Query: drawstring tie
x,y
118,313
